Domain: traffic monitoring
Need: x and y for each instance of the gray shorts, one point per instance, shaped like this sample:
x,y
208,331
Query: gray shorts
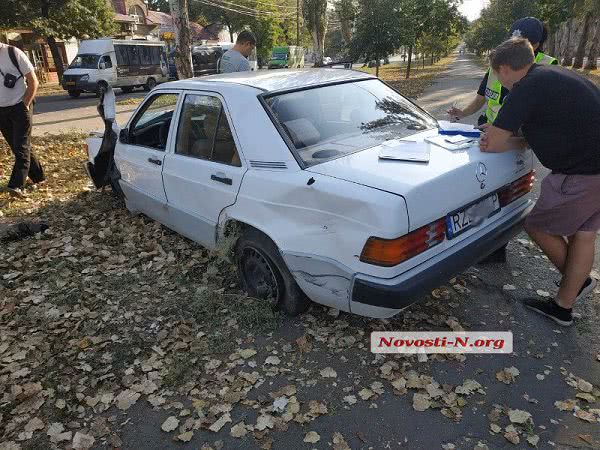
x,y
567,204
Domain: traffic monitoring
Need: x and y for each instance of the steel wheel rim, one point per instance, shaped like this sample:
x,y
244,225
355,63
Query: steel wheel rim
x,y
259,275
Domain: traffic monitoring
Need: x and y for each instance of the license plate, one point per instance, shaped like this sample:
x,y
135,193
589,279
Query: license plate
x,y
70,83
460,221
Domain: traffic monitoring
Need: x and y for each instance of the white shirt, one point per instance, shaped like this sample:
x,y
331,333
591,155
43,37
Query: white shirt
x,y
12,96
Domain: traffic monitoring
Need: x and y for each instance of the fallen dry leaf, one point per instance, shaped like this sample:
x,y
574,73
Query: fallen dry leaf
x,y
186,437
519,416
507,375
170,424
421,402
328,372
312,437
239,430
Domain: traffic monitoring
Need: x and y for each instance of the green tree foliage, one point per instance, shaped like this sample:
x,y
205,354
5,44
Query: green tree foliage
x,y
493,26
382,26
158,5
233,19
346,11
272,22
266,28
59,19
377,32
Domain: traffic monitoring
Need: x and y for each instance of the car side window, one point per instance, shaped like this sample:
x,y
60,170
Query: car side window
x,y
150,128
204,131
107,62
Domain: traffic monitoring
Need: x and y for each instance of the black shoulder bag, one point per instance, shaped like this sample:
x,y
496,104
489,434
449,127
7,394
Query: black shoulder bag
x,y
9,79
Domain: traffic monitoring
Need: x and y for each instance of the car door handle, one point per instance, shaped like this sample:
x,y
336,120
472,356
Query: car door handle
x,y
221,179
158,162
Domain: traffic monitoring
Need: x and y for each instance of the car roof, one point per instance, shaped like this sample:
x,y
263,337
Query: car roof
x,y
274,80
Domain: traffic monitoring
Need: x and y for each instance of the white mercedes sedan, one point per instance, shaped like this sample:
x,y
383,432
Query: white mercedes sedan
x,y
339,189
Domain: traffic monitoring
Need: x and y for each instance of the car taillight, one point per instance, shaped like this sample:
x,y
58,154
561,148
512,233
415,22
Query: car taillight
x,y
390,252
516,189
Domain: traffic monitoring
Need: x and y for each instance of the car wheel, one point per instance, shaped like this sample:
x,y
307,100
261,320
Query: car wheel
x,y
127,89
101,88
74,94
150,84
264,274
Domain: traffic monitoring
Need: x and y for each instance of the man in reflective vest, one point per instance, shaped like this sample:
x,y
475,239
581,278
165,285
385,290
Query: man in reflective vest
x,y
490,89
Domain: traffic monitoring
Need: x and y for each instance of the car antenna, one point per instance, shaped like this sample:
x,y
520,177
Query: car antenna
x,y
310,181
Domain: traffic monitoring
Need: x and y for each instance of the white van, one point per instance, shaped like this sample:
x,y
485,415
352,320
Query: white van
x,y
126,64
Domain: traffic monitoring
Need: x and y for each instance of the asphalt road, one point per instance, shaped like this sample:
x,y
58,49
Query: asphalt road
x,y
58,113
540,349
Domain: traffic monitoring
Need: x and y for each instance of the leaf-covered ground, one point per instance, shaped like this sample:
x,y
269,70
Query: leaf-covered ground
x,y
114,329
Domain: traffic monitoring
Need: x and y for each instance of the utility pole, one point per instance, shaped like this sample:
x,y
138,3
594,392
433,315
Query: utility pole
x,y
297,23
183,38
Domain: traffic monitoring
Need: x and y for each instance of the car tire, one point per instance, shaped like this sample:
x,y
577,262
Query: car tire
x,y
127,89
74,93
150,84
101,88
264,274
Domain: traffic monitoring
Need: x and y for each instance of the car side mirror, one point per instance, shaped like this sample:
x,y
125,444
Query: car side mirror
x,y
124,136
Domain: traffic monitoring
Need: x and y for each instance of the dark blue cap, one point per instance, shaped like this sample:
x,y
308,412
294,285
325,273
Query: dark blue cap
x,y
528,27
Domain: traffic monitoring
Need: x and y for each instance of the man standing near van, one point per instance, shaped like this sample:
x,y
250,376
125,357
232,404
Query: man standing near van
x,y
18,86
236,59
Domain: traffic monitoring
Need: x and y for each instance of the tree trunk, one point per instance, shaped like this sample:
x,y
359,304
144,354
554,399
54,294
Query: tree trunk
x,y
410,49
567,59
51,41
580,52
183,40
319,45
56,56
346,28
423,59
432,57
377,67
592,62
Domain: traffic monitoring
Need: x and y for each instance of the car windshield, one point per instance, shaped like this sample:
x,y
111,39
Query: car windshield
x,y
85,62
279,56
328,122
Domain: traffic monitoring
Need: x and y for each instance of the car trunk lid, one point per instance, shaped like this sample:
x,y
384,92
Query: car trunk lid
x,y
450,180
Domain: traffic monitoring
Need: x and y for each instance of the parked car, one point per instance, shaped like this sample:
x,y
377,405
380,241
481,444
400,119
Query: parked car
x,y
291,161
104,63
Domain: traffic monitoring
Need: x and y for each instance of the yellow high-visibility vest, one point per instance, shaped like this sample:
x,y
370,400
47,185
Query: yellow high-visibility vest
x,y
493,89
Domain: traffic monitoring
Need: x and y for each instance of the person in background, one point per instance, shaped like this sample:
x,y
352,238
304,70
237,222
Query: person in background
x,y
18,86
558,111
490,90
236,59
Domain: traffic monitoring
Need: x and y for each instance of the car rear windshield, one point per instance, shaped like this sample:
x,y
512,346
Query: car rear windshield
x,y
328,122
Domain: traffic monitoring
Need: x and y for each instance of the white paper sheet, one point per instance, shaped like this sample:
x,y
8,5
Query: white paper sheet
x,y
440,140
457,127
405,150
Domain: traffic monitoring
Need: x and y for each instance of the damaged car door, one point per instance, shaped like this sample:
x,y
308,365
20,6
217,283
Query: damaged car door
x,y
101,147
203,172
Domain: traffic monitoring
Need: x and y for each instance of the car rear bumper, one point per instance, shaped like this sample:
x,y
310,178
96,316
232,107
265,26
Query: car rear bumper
x,y
378,297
